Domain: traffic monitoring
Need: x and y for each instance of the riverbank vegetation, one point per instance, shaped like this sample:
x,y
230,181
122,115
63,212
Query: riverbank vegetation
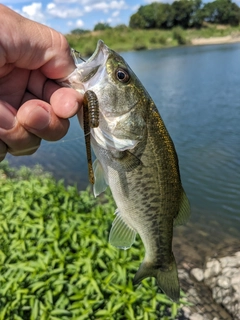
x,y
123,38
55,259
160,25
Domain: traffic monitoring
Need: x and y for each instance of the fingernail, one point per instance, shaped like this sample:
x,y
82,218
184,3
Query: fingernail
x,y
38,118
7,118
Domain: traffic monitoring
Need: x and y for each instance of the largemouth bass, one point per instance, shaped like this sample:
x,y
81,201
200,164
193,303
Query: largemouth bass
x,y
137,159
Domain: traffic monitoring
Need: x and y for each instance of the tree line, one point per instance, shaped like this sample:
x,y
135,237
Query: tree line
x,y
183,13
186,14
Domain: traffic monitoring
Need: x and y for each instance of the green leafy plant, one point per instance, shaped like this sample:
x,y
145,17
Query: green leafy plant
x,y
55,259
179,35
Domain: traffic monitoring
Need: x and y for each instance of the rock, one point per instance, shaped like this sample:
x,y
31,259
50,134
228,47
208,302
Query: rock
x,y
196,316
183,275
223,282
237,254
186,312
226,300
219,281
230,261
236,287
223,278
213,268
229,272
217,294
235,279
197,274
193,295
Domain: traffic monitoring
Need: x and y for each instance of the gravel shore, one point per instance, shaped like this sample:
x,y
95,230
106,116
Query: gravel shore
x,y
209,270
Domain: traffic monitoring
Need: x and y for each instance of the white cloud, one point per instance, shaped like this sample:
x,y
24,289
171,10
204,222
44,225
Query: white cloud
x,y
71,12
33,12
102,6
115,14
32,9
118,5
87,9
51,5
63,12
105,6
79,23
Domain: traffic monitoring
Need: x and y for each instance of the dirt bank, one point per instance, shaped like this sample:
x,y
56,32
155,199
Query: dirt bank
x,y
216,40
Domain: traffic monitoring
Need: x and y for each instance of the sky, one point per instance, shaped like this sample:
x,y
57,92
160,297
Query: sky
x,y
66,15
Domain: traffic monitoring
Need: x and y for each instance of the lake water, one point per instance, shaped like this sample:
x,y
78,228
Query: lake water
x,y
197,91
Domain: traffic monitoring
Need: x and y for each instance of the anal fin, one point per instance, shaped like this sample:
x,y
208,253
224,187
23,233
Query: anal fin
x,y
184,211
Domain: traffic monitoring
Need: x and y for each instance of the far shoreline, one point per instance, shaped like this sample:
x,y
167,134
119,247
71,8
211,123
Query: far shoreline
x,y
127,39
215,40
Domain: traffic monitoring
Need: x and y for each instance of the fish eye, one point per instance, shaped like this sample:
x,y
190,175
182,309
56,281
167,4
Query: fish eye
x,y
122,75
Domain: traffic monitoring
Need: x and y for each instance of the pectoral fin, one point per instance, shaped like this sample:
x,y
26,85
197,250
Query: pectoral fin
x,y
184,211
121,235
100,183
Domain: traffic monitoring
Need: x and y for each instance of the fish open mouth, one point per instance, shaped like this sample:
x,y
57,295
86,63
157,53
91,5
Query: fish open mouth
x,y
87,69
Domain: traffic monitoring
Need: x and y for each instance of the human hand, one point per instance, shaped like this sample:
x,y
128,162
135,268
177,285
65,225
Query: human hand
x,y
32,105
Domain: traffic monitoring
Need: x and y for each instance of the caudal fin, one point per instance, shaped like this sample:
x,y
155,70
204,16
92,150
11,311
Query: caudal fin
x,y
166,280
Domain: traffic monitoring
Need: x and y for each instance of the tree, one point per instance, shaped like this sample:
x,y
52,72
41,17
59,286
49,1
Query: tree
x,y
137,21
101,26
79,31
154,15
149,14
222,12
234,16
186,13
165,16
121,27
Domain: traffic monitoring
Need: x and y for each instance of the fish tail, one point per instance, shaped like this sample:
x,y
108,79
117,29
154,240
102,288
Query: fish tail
x,y
166,280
